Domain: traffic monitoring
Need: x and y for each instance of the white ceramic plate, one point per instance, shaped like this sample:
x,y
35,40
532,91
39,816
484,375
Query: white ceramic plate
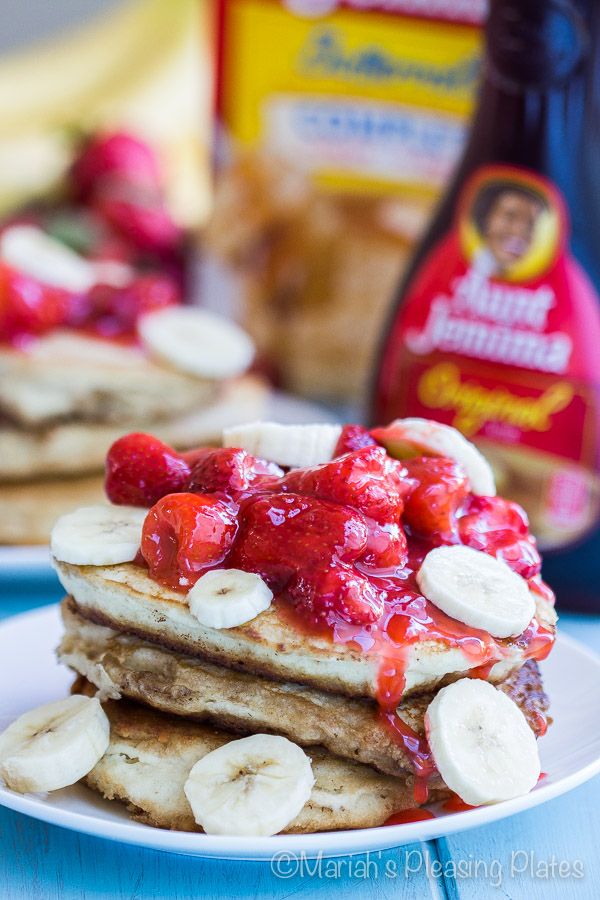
x,y
26,560
27,663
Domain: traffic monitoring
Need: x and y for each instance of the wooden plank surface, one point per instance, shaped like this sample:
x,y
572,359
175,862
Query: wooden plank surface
x,y
49,863
545,853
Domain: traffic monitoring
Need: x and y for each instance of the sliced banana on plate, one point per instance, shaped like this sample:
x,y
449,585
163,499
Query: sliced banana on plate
x,y
225,598
254,786
477,589
55,745
98,535
405,437
481,743
196,342
287,445
30,250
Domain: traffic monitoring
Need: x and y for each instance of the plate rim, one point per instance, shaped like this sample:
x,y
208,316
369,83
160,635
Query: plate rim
x,y
25,559
242,848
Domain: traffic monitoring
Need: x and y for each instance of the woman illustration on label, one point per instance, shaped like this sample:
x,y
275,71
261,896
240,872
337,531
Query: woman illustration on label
x,y
505,216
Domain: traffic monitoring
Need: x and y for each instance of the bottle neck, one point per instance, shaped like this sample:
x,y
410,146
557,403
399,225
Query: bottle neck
x,y
533,76
534,45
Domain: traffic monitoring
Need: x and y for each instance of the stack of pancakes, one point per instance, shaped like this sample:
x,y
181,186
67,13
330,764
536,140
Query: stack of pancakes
x,y
174,690
65,400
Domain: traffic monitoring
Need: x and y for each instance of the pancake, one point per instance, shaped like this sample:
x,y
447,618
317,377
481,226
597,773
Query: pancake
x,y
125,598
150,756
66,376
28,510
78,447
121,665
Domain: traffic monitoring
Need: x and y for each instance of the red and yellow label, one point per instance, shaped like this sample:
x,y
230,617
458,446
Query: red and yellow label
x,y
498,336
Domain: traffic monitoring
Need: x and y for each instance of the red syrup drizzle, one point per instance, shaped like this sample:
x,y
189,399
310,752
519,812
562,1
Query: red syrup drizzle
x,y
407,617
410,815
541,722
417,749
454,804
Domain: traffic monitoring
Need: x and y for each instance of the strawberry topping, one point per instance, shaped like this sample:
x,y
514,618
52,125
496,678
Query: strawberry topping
x,y
339,545
140,470
105,156
353,437
28,307
113,311
366,479
441,487
146,224
230,470
304,545
387,548
185,534
114,210
500,528
341,541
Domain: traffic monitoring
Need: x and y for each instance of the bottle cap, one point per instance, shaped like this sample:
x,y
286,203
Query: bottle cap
x,y
534,44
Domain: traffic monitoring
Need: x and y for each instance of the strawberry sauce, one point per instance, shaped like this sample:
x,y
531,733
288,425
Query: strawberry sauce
x,y
409,815
113,210
340,545
455,804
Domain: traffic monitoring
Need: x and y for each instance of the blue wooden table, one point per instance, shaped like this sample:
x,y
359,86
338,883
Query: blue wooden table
x,y
518,858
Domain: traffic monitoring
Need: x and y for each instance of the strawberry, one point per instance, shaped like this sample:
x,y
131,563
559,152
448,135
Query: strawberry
x,y
540,587
109,154
28,307
303,545
119,178
501,528
230,470
140,470
145,224
522,556
386,548
113,311
293,531
183,535
441,487
193,456
365,479
337,593
353,437
489,520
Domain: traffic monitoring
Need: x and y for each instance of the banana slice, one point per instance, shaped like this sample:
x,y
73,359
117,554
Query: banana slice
x,y
477,589
405,437
33,252
197,342
55,745
481,743
112,272
287,445
224,598
98,535
253,786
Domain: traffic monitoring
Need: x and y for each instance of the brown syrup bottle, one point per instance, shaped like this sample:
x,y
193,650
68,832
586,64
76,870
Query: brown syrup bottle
x,y
496,328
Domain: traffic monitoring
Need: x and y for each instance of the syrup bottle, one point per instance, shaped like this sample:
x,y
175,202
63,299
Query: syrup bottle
x,y
497,326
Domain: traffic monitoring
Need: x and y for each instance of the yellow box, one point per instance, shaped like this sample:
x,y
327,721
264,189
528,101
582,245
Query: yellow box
x,y
362,97
338,124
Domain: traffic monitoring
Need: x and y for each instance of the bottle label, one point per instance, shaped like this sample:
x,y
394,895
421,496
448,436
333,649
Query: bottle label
x,y
498,335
